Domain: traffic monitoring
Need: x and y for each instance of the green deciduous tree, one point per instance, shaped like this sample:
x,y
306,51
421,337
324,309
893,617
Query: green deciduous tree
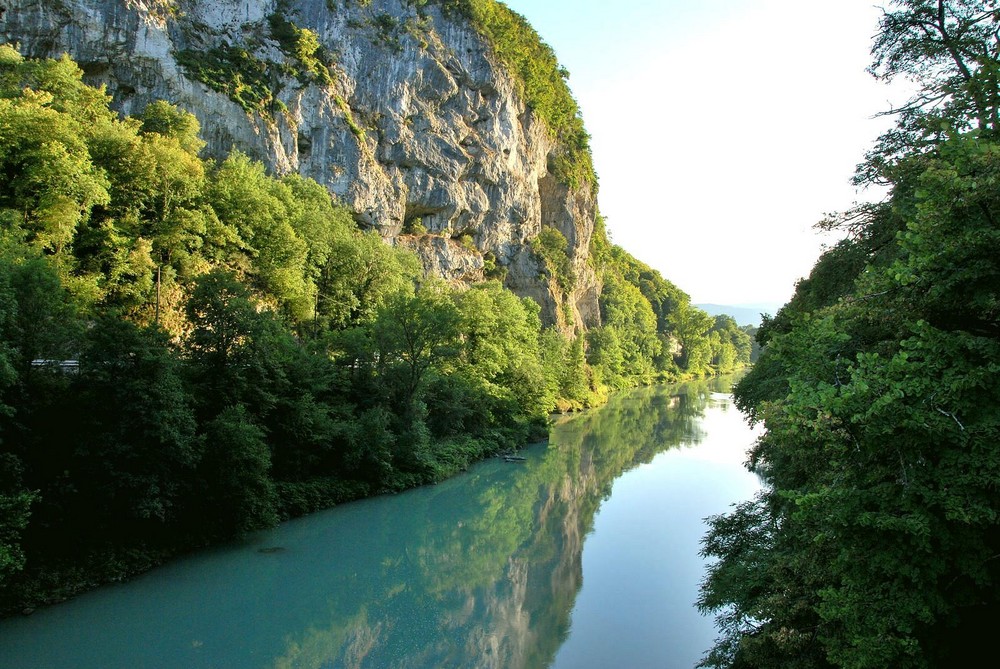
x,y
236,346
875,541
499,345
138,446
360,274
48,181
730,345
950,48
691,327
164,119
257,208
15,510
239,495
411,335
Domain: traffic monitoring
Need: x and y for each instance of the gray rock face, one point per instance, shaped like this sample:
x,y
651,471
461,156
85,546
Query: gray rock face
x,y
417,121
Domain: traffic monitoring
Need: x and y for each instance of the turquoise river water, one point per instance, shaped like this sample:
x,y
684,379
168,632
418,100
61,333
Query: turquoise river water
x,y
584,555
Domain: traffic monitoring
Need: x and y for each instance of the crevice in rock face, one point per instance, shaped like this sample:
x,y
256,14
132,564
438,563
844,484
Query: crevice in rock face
x,y
415,214
92,68
123,93
304,144
546,187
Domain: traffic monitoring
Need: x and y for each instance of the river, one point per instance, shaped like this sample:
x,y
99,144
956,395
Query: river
x,y
584,555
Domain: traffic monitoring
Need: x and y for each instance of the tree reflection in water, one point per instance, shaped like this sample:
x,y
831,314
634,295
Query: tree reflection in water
x,y
482,570
486,569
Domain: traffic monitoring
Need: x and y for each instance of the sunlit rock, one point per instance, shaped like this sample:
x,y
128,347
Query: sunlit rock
x,y
403,113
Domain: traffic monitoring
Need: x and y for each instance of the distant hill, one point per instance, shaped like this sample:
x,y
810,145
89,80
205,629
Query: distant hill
x,y
745,314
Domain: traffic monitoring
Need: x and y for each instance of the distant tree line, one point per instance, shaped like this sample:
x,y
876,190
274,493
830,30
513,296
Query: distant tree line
x,y
193,349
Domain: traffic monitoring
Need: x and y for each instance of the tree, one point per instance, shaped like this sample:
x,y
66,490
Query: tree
x,y
138,449
499,344
360,274
691,327
951,49
238,496
164,119
730,344
41,319
48,182
319,221
15,510
412,334
231,345
48,116
257,209
874,543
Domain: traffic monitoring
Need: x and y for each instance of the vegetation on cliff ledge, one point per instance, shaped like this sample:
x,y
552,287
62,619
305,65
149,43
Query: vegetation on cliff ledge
x,y
254,82
543,82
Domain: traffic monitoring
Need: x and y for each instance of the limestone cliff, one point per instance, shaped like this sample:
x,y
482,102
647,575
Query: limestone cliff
x,y
400,107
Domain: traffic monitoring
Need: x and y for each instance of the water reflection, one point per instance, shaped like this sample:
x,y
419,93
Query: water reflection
x,y
482,570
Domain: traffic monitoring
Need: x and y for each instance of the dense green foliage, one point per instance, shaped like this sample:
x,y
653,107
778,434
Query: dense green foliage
x,y
649,329
192,349
235,72
876,540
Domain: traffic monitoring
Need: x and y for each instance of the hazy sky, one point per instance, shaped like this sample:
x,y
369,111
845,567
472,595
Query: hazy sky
x,y
722,130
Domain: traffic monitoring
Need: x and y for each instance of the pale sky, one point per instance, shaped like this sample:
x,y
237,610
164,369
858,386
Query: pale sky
x,y
722,130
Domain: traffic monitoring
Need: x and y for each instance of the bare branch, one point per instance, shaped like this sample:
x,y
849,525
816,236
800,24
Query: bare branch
x,y
953,417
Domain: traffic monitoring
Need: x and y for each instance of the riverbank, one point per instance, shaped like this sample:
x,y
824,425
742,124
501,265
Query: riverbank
x,y
501,564
47,583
